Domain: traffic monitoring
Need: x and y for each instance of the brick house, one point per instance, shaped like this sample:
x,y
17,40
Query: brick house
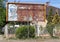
x,y
29,12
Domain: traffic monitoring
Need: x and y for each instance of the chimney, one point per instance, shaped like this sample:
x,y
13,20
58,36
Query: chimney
x,y
19,1
14,0
47,4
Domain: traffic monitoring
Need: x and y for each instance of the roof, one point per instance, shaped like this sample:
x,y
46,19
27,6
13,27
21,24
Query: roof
x,y
47,9
53,9
26,3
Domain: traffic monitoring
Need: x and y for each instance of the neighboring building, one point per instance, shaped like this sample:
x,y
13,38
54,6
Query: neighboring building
x,y
29,12
53,10
24,12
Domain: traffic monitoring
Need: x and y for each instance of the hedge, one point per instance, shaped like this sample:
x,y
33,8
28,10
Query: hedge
x,y
22,32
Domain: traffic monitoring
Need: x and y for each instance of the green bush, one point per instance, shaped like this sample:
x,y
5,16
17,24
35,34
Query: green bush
x,y
1,32
49,28
22,32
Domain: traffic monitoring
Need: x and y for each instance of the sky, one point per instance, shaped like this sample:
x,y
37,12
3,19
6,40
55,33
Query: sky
x,y
55,3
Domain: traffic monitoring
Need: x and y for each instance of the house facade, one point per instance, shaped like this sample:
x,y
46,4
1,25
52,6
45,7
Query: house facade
x,y
26,12
34,14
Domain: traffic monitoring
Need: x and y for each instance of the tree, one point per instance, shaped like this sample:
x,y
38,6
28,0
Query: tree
x,y
56,18
50,26
56,22
53,20
50,15
2,15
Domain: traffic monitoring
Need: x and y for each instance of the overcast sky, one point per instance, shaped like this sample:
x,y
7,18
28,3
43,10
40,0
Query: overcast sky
x,y
55,3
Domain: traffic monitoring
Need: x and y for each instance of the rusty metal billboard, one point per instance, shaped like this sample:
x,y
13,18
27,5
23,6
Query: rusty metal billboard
x,y
25,12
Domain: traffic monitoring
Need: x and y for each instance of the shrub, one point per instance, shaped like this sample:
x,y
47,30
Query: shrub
x,y
1,32
49,28
22,32
31,31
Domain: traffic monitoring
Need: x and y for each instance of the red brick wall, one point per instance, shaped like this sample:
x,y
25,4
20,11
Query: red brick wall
x,y
37,11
